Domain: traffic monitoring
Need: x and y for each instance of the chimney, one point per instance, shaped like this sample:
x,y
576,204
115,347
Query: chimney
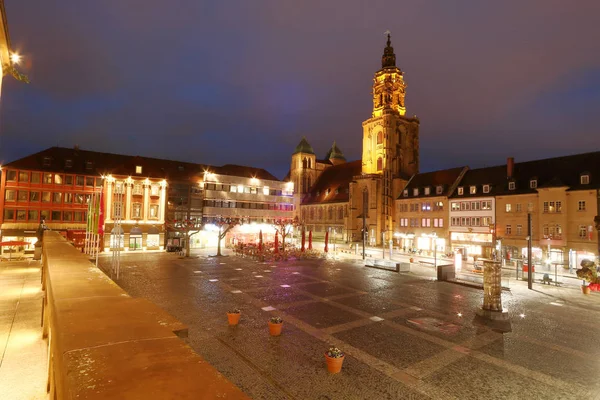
x,y
510,166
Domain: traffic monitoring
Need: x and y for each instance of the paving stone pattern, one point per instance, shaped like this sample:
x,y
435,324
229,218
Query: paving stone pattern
x,y
424,343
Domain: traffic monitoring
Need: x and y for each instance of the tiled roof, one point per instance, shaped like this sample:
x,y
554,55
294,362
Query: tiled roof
x,y
119,164
495,177
333,184
445,178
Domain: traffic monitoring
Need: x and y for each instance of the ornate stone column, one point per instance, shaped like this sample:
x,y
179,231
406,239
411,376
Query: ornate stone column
x,y
492,291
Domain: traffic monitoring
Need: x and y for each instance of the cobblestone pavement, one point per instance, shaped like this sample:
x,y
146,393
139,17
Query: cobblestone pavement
x,y
406,336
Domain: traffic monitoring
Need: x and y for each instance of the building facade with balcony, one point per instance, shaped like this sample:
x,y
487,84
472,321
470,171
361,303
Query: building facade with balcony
x,y
422,223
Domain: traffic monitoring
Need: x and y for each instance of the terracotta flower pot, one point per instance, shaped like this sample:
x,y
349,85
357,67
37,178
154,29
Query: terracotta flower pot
x,y
275,329
412,259
585,289
334,365
233,318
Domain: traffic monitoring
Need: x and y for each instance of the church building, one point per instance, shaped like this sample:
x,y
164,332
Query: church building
x,y
348,198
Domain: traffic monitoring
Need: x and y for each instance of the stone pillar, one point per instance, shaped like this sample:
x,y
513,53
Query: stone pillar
x,y
146,201
127,205
492,291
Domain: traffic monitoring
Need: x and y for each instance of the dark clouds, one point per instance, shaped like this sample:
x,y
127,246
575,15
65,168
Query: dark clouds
x,y
242,81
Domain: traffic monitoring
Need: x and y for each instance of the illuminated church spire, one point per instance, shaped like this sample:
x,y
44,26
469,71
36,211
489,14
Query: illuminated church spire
x,y
389,58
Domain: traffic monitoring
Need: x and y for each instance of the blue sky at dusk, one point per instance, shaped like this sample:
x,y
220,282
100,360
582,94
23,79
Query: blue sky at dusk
x,y
241,82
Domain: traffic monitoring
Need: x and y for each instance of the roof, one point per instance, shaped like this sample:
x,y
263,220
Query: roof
x,y
335,153
334,183
119,164
304,147
446,178
562,171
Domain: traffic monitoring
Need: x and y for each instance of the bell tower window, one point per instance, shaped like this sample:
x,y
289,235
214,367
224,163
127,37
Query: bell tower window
x,y
379,164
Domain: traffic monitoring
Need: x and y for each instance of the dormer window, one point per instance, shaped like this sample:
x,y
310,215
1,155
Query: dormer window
x,y
180,168
405,193
88,165
584,179
46,161
461,191
337,191
426,191
138,169
486,188
415,191
533,184
439,189
511,186
68,163
472,189
327,192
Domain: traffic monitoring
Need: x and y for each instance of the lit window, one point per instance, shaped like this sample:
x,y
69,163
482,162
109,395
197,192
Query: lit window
x,y
519,207
508,230
415,191
153,211
426,191
461,191
511,186
138,169
585,179
405,193
582,231
240,188
136,210
473,189
486,188
533,183
155,190
266,190
508,207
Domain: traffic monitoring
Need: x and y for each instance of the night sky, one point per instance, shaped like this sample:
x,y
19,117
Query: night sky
x,y
242,81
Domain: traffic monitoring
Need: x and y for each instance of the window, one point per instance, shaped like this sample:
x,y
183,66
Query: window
x,y
439,189
473,189
23,195
79,216
475,205
533,183
380,138
455,206
35,177
379,164
266,191
69,180
138,189
426,206
67,216
415,191
46,197
438,222
68,163
508,230
47,161
56,215
519,230
89,181
10,195
486,188
508,207
582,232
546,207
519,207
427,191
153,211
34,196
405,193
404,222
511,186
581,205
585,179
559,206
78,198
48,179
57,197
138,169
117,209
58,179
79,180
438,206
32,215
136,210
23,176
119,187
45,215
247,189
425,222
88,165
461,191
486,205
68,198
9,214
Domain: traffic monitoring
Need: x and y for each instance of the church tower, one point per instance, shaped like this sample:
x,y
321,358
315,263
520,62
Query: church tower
x,y
303,170
390,139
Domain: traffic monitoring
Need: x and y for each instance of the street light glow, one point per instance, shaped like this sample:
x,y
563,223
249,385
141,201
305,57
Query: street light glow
x,y
15,58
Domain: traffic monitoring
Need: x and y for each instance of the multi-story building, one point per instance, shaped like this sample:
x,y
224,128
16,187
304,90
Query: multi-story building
x,y
561,194
422,211
472,212
390,156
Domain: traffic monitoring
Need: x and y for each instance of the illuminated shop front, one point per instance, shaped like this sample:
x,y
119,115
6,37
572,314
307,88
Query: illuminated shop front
x,y
471,244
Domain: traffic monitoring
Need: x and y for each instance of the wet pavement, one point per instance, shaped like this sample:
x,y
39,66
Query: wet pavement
x,y
406,336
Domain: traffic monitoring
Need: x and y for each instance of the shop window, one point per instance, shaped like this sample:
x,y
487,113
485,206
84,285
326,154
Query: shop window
x,y
35,177
32,215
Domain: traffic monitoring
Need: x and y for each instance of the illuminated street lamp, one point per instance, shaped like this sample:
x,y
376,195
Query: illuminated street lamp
x,y
15,58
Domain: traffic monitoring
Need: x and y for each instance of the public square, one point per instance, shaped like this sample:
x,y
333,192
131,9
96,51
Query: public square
x,y
405,335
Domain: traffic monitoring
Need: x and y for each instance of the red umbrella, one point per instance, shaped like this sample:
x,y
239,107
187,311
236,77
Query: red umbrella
x,y
260,244
310,240
303,239
276,243
326,240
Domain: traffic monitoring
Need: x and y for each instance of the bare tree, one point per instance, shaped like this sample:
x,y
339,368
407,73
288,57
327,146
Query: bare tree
x,y
224,225
284,227
187,227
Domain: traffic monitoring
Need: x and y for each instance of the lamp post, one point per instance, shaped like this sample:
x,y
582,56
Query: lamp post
x,y
529,266
383,244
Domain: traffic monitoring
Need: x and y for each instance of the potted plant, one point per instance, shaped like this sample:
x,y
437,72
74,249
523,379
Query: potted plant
x,y
334,358
275,325
233,316
589,274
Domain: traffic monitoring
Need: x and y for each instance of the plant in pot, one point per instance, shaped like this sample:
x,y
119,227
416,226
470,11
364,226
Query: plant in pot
x,y
275,325
334,358
233,316
589,274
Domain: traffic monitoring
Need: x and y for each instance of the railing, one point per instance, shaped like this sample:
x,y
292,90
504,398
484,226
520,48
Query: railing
x,y
105,344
